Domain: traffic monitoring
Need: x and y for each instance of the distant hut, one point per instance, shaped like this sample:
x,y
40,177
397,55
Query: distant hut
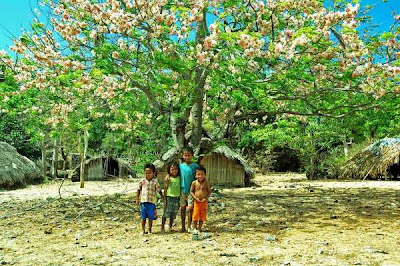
x,y
224,167
379,160
15,169
227,168
103,168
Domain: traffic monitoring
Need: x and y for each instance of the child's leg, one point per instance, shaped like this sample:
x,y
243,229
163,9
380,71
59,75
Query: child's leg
x,y
150,225
195,225
190,214
163,220
183,218
144,226
200,225
171,222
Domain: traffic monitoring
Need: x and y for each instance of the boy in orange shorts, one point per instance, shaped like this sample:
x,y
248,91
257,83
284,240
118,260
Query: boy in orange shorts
x,y
200,191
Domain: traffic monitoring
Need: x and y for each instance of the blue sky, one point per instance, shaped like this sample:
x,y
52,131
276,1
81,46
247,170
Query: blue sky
x,y
15,14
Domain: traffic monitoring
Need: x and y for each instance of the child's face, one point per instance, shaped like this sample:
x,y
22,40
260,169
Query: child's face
x,y
187,157
200,175
173,170
149,173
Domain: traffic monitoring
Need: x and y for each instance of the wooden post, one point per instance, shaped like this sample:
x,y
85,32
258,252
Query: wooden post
x,y
83,157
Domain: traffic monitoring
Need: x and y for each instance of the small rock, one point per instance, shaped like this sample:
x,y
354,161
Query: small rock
x,y
84,245
320,251
357,263
145,240
206,235
368,249
254,259
115,219
69,230
48,231
128,246
270,238
95,233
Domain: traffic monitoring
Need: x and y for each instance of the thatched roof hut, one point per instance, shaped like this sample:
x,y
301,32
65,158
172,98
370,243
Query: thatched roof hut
x,y
103,168
380,159
224,166
16,170
227,168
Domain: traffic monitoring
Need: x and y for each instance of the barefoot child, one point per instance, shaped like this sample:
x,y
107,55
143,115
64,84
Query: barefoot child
x,y
187,171
172,192
148,189
200,191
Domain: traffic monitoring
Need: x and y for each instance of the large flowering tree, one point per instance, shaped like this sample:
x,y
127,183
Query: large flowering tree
x,y
203,64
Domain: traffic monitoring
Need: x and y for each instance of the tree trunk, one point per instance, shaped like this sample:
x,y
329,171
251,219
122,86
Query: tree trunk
x,y
44,154
178,132
197,119
200,80
54,162
83,157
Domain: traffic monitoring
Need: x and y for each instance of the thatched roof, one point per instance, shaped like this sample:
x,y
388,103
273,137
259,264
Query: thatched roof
x,y
232,155
374,160
15,169
173,154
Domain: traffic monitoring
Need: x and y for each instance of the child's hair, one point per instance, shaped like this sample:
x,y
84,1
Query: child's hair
x,y
201,168
150,166
176,165
188,149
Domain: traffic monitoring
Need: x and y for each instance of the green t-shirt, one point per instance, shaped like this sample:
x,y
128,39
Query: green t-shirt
x,y
174,187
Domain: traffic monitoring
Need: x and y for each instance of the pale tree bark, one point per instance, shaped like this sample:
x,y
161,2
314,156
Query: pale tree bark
x,y
83,157
55,157
44,155
200,80
197,111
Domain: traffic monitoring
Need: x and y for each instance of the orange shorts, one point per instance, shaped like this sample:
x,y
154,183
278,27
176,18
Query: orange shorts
x,y
200,211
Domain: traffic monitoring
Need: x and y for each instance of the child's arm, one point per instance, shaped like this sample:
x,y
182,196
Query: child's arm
x,y
138,193
166,185
193,190
208,190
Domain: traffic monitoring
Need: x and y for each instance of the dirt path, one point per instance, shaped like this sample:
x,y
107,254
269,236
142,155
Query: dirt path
x,y
69,189
286,220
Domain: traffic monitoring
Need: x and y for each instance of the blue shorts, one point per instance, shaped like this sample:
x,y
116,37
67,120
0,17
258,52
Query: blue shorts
x,y
147,210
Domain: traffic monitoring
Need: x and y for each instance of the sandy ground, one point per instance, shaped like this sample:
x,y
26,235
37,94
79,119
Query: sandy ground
x,y
284,220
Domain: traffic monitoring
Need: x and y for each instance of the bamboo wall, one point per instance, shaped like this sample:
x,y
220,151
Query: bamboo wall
x,y
222,171
95,170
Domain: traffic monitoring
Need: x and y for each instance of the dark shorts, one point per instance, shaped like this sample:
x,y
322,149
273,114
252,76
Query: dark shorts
x,y
147,210
171,208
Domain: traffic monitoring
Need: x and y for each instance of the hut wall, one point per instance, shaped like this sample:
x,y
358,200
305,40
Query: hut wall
x,y
222,171
95,170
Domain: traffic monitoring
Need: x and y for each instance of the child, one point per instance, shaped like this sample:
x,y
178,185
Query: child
x,y
148,188
200,191
172,192
187,170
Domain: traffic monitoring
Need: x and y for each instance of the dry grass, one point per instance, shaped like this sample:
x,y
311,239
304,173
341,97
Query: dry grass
x,y
314,225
